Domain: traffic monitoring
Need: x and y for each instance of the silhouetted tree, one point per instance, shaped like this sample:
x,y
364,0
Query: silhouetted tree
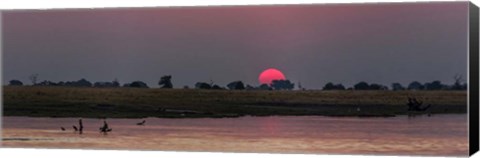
x,y
33,78
136,84
69,83
202,85
365,86
331,86
397,87
458,83
300,87
415,86
100,84
261,87
264,87
435,85
249,87
80,83
375,86
236,85
15,83
83,83
106,84
339,87
46,83
217,87
361,86
282,85
116,83
165,82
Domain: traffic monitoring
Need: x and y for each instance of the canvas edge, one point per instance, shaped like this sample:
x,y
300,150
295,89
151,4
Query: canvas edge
x,y
473,78
1,78
473,66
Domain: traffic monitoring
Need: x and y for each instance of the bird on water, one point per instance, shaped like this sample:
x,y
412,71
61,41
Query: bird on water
x,y
81,126
141,123
104,129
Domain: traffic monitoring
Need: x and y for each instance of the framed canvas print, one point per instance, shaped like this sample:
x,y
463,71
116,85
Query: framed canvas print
x,y
367,79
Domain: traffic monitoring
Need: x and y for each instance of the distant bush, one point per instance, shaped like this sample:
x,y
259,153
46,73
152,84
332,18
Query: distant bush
x,y
361,86
435,85
249,87
265,87
47,83
331,86
80,83
106,84
397,87
202,85
15,83
365,86
375,86
415,85
282,85
217,87
136,84
236,85
261,87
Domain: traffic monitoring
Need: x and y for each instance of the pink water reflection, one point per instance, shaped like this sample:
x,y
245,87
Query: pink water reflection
x,y
436,135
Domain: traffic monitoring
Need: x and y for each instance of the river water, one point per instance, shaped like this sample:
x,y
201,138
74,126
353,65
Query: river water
x,y
436,135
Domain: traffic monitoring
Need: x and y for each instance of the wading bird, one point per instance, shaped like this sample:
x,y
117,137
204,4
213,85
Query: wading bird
x,y
105,128
141,123
81,126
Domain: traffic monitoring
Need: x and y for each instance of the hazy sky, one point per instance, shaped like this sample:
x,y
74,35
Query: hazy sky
x,y
311,44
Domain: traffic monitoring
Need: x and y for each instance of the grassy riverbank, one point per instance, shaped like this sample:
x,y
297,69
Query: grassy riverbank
x,y
189,103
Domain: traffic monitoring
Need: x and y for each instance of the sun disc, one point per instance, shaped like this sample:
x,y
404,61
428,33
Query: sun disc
x,y
268,75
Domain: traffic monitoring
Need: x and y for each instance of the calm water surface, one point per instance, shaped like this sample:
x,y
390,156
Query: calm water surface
x,y
436,135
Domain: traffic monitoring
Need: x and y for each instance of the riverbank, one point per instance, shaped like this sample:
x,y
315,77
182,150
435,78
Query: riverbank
x,y
194,103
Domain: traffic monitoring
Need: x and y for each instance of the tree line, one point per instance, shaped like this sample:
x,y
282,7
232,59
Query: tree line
x,y
166,82
414,85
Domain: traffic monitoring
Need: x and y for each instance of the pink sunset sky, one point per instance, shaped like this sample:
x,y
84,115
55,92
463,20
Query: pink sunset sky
x,y
311,44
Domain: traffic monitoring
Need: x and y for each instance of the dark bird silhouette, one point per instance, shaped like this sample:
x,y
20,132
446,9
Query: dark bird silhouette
x,y
141,123
81,126
104,129
63,129
75,128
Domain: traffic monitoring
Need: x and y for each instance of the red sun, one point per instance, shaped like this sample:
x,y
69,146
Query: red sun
x,y
268,75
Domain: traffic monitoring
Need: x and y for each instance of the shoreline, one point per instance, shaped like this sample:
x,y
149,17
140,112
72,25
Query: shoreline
x,y
244,116
194,103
